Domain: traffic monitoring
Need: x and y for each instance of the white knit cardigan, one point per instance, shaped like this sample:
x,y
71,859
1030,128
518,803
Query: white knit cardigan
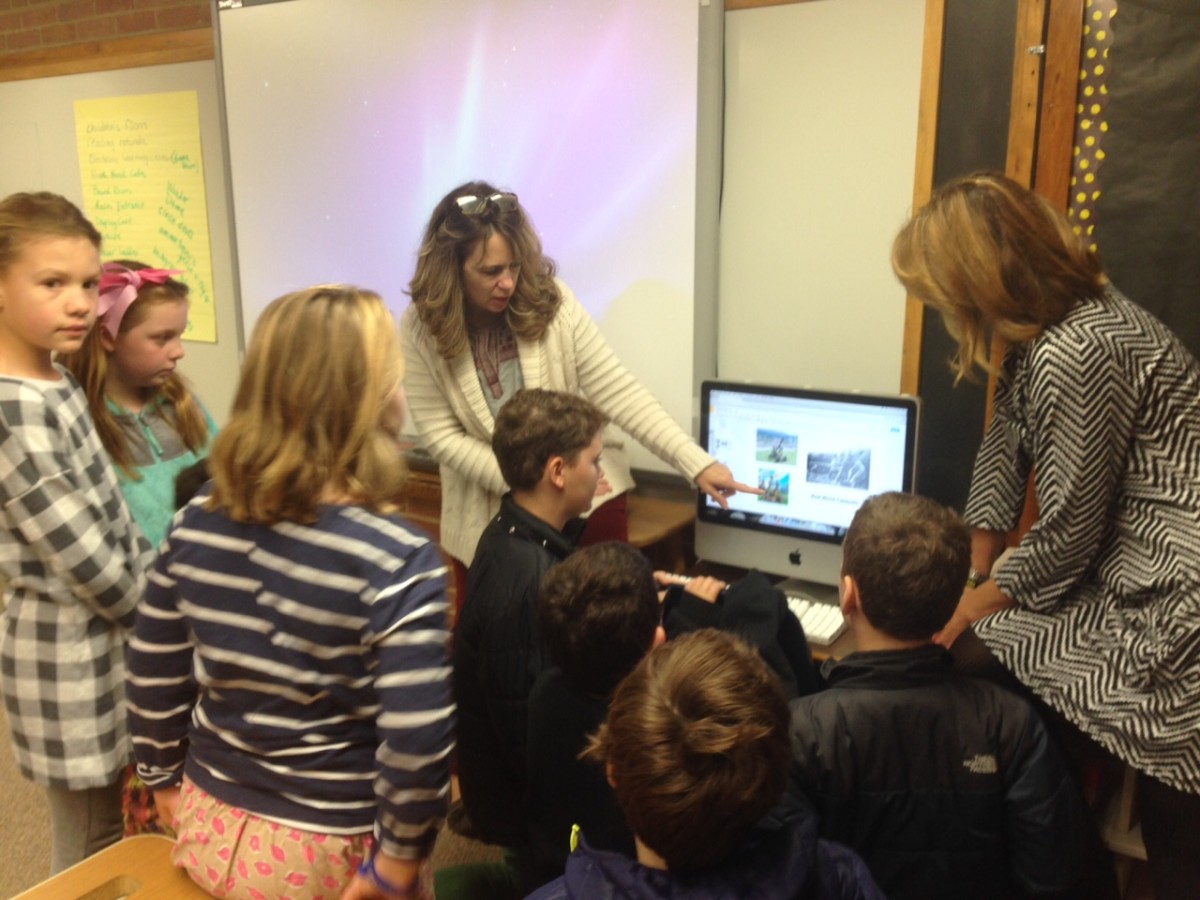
x,y
447,404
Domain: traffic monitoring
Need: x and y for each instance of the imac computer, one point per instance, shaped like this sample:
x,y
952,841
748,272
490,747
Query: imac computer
x,y
816,455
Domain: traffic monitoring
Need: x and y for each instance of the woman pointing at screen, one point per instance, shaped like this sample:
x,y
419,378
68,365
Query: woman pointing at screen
x,y
488,317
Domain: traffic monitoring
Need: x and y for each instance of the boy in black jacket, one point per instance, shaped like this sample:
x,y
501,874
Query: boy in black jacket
x,y
548,445
599,614
695,746
947,785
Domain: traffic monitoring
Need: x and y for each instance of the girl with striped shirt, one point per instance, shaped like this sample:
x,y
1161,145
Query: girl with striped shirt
x,y
288,681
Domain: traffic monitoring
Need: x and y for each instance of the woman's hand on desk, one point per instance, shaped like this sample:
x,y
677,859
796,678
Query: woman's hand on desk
x,y
706,588
718,482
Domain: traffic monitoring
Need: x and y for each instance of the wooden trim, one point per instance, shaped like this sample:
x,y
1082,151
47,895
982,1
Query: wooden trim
x,y
1060,91
927,122
1023,127
1026,90
731,5
104,56
1055,139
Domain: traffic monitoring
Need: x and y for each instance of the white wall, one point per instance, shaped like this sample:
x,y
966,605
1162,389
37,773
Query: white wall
x,y
820,137
38,152
820,147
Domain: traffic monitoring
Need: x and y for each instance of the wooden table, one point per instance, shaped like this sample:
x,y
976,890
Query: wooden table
x,y
137,868
662,530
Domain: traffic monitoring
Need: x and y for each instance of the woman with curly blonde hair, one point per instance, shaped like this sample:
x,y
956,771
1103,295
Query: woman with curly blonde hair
x,y
488,317
1097,609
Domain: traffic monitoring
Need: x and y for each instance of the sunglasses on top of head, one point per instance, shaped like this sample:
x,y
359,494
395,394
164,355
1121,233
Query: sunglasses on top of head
x,y
474,205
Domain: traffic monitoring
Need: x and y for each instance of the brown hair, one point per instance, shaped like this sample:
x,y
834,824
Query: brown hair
x,y
535,425
450,238
697,742
89,364
598,612
311,412
25,217
909,556
994,259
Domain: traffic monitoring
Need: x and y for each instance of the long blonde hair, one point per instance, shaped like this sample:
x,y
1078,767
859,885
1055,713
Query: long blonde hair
x,y
451,236
310,418
994,259
89,364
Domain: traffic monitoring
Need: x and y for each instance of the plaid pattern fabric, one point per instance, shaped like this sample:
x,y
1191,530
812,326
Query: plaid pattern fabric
x,y
72,563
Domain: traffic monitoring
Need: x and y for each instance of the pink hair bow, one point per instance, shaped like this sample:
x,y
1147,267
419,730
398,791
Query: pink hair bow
x,y
119,288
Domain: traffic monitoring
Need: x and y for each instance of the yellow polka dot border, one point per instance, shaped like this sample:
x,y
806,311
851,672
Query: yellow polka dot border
x,y
1091,110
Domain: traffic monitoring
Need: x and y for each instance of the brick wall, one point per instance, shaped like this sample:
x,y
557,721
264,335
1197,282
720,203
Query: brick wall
x,y
31,25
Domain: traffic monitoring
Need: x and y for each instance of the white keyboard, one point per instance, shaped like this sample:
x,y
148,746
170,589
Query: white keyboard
x,y
822,622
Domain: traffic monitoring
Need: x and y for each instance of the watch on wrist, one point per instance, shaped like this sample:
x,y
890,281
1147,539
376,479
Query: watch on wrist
x,y
975,578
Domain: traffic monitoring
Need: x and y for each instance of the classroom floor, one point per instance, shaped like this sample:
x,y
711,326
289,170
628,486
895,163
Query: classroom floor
x,y
25,830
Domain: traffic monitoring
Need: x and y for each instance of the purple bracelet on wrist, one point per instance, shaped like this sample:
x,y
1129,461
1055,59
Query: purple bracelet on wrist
x,y
367,870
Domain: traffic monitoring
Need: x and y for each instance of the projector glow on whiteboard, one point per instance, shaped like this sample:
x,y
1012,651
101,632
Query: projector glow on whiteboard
x,y
349,119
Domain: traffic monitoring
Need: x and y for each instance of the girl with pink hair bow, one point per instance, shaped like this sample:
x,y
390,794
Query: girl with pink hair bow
x,y
149,420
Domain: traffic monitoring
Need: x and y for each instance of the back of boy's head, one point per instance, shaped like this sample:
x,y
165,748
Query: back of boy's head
x,y
697,742
910,557
598,612
29,216
535,425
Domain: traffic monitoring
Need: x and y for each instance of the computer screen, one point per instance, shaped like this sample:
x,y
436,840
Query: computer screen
x,y
816,455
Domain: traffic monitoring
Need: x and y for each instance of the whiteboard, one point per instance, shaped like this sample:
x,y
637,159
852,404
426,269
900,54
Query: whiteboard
x,y
820,154
348,125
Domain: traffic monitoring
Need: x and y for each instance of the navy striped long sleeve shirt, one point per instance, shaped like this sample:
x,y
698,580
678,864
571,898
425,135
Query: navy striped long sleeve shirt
x,y
299,672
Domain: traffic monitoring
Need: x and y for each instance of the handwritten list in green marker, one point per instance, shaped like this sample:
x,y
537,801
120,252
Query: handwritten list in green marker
x,y
143,187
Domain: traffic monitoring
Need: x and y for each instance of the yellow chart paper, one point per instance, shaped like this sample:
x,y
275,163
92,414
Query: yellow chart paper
x,y
143,187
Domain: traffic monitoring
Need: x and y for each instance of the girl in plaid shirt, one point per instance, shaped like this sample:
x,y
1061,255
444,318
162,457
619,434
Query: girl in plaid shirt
x,y
71,559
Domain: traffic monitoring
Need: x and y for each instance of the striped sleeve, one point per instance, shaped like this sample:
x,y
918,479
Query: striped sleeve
x,y
613,388
1001,473
1080,410
159,688
408,638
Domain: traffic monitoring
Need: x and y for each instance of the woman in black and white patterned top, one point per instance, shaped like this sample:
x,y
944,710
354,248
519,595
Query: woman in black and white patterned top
x,y
1097,610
